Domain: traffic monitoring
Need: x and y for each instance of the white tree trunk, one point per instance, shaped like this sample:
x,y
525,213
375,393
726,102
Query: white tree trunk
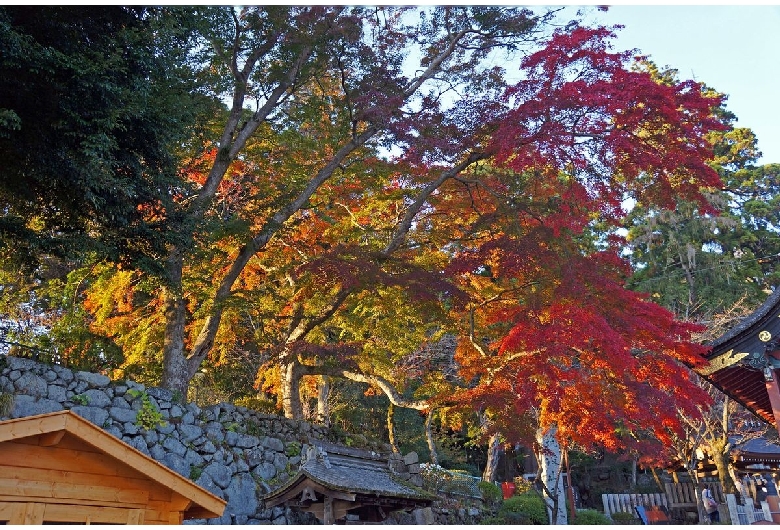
x,y
551,469
323,406
429,438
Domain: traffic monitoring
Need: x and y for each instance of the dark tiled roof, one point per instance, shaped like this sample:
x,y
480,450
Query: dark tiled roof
x,y
756,445
351,474
353,471
750,339
763,311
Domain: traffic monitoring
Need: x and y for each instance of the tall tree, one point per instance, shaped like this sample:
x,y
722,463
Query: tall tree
x,y
375,106
554,336
93,103
700,264
339,191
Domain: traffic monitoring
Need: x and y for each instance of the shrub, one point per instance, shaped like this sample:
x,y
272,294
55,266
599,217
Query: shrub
x,y
523,485
526,508
491,493
623,517
264,406
592,517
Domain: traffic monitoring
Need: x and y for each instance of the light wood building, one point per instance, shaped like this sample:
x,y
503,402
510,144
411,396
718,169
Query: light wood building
x,y
60,468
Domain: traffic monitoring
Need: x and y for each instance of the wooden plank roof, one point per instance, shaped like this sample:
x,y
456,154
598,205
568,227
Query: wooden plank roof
x,y
53,426
739,357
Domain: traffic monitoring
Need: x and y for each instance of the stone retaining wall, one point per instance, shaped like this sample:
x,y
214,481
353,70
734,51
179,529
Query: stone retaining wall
x,y
236,453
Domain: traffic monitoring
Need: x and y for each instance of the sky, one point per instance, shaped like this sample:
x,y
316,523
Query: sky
x,y
733,49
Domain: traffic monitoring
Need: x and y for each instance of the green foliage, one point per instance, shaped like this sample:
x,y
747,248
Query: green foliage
x,y
80,399
149,416
266,406
493,520
699,265
93,108
526,508
593,517
617,517
46,319
195,472
491,493
292,449
6,403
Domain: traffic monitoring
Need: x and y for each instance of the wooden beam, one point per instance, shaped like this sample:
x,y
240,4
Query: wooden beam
x,y
135,517
33,456
27,513
339,509
81,493
80,514
153,490
94,504
295,490
50,438
32,426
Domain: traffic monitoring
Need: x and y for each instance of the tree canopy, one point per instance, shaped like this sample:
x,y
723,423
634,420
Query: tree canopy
x,y
308,193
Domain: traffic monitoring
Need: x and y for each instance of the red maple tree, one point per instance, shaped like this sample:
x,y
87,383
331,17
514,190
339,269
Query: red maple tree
x,y
552,338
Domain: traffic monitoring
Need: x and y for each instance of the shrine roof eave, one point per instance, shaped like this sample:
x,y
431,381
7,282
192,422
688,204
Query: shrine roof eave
x,y
747,387
747,327
737,356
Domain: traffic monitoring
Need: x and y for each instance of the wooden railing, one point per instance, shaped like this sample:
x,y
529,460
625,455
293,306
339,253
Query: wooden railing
x,y
747,513
627,502
680,499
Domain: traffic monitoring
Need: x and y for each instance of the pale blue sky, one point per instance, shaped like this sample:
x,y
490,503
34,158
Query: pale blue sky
x,y
734,49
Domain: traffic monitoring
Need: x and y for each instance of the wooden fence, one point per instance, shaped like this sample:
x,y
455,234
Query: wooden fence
x,y
627,502
682,503
679,499
746,513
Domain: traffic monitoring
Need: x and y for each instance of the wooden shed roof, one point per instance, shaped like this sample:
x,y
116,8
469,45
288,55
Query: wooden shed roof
x,y
738,358
50,428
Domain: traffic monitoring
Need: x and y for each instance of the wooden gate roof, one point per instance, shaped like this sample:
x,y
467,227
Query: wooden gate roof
x,y
741,359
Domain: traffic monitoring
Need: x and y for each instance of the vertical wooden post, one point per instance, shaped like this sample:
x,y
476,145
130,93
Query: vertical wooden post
x,y
327,510
773,391
572,508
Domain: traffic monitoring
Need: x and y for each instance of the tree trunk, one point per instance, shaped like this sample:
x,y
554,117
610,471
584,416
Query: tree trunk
x,y
291,391
429,438
175,369
722,465
738,485
550,468
391,427
323,393
491,466
657,479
